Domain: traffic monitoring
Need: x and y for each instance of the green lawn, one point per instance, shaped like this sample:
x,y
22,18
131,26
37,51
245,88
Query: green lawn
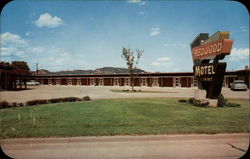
x,y
120,117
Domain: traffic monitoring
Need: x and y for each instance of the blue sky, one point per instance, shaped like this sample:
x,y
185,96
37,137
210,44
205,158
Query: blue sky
x,y
68,35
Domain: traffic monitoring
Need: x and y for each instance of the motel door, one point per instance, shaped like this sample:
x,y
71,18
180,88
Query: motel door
x,y
185,82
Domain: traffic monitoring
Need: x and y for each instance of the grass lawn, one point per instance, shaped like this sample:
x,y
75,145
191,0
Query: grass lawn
x,y
137,91
122,117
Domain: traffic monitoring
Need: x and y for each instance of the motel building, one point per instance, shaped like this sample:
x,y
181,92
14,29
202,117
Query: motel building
x,y
175,79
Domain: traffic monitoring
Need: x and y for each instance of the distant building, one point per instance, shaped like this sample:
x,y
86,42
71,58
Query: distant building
x,y
11,77
7,77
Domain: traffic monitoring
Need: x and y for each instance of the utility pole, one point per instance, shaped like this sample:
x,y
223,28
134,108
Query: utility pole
x,y
36,68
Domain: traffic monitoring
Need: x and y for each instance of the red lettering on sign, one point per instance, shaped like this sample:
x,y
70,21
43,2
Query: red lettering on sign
x,y
214,48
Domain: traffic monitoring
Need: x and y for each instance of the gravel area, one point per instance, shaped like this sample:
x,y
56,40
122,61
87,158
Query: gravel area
x,y
103,92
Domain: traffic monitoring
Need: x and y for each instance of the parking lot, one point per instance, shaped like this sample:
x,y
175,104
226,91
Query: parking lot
x,y
103,92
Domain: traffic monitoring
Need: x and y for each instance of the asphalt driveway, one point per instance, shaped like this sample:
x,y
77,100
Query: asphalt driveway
x,y
103,92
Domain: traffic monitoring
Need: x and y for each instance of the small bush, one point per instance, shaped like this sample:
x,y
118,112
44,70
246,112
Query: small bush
x,y
70,99
54,100
125,90
4,104
182,100
199,103
14,104
191,100
232,105
86,98
20,104
221,101
36,102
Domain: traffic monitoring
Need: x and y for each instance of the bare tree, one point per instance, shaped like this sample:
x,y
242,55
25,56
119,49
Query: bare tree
x,y
132,61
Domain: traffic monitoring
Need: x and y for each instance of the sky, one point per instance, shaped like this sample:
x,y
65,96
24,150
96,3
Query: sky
x,y
74,35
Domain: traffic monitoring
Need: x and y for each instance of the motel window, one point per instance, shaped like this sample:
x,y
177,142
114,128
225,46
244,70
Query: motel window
x,y
177,82
155,81
144,82
50,81
78,81
127,82
58,81
116,81
69,82
92,81
100,81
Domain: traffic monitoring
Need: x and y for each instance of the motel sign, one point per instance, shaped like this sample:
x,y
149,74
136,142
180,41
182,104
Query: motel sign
x,y
206,53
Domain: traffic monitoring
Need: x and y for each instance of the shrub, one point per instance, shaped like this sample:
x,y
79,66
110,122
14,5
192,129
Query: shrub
x,y
232,105
70,99
86,98
14,104
191,100
182,100
36,102
199,103
125,90
4,104
55,100
20,104
221,101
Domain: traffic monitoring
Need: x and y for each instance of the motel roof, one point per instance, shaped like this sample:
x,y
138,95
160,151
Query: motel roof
x,y
155,74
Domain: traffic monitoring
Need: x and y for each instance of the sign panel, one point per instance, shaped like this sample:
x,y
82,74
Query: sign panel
x,y
212,49
210,77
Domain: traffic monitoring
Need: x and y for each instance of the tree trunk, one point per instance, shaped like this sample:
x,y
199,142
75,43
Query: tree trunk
x,y
132,82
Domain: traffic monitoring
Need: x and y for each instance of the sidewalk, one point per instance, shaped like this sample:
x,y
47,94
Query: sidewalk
x,y
149,146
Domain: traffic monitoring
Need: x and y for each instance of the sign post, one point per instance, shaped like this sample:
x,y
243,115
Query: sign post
x,y
206,53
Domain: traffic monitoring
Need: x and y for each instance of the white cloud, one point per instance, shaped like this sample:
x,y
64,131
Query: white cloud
x,y
243,28
12,45
59,61
162,62
46,20
27,33
239,54
154,31
36,49
7,51
134,1
156,63
163,59
143,14
20,53
13,40
140,2
175,45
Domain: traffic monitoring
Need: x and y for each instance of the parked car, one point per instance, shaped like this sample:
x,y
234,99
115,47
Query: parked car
x,y
32,83
238,85
18,83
